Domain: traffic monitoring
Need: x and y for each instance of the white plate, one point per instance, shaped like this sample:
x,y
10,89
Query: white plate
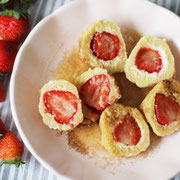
x,y
42,51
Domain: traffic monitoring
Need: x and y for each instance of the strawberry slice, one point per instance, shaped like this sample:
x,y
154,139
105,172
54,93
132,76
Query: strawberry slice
x,y
62,105
166,109
105,45
148,60
95,92
127,132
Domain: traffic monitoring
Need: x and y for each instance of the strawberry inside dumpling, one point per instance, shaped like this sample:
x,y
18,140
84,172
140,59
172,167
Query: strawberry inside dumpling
x,y
105,45
95,92
127,132
91,113
62,105
149,60
166,109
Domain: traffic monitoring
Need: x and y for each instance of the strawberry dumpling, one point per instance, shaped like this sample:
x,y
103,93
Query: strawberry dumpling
x,y
162,107
90,113
124,131
97,88
150,62
101,45
60,105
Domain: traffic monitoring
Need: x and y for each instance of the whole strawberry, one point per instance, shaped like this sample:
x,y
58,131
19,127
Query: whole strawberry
x,y
14,26
11,149
8,51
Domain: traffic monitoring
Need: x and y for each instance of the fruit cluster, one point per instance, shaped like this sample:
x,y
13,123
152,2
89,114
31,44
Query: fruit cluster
x,y
14,27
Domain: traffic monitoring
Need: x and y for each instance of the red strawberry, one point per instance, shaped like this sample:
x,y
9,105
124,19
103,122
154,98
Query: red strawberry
x,y
105,45
90,113
148,60
11,149
62,105
2,94
8,51
166,109
95,92
127,132
13,26
2,127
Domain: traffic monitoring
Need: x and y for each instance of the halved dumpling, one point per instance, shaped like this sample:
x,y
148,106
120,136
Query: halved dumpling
x,y
124,131
60,105
101,45
162,107
150,61
90,113
97,88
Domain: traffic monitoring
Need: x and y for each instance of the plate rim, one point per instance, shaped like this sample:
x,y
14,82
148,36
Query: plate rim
x,y
15,68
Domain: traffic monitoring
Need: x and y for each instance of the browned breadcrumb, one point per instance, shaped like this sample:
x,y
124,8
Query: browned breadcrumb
x,y
84,138
75,143
70,66
58,132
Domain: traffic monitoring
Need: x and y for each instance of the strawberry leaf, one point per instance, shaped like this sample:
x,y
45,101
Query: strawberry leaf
x,y
3,4
1,136
24,15
3,1
3,13
10,13
16,14
16,161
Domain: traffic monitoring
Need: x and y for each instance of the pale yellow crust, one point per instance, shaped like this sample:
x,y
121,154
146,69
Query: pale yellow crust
x,y
47,117
113,115
142,78
114,89
86,54
168,88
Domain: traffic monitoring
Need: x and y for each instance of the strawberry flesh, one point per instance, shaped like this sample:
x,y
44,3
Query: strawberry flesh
x,y
105,45
166,109
62,105
127,132
148,60
95,92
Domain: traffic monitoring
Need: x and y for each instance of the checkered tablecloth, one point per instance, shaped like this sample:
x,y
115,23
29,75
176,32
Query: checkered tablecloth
x,y
33,170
